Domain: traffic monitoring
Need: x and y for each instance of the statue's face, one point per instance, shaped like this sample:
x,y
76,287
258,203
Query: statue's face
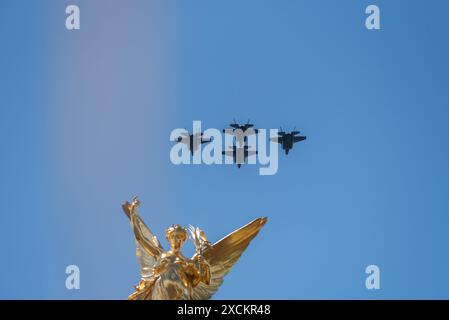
x,y
176,237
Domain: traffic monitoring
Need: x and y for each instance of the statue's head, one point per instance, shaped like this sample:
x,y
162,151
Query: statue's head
x,y
176,235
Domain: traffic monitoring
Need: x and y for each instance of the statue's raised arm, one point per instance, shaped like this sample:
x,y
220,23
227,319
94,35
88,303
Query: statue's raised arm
x,y
148,248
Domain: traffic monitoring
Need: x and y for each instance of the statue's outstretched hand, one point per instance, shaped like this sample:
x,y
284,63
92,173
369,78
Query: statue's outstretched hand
x,y
136,203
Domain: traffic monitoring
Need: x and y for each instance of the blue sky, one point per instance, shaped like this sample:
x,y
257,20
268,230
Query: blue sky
x,y
86,117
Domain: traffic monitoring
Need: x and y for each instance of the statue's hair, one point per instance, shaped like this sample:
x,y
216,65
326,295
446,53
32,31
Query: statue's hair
x,y
176,228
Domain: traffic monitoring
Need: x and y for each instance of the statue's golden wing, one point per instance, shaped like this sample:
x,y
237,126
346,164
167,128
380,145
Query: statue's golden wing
x,y
148,247
224,254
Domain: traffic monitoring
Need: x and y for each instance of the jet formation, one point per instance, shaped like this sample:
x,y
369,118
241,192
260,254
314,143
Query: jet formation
x,y
241,151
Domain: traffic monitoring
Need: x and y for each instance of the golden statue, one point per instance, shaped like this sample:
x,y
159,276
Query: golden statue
x,y
171,276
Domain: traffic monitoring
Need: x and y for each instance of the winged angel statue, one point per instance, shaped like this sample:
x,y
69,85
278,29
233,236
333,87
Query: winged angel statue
x,y
169,275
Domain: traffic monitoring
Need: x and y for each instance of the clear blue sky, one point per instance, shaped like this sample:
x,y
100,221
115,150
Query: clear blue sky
x,y
85,118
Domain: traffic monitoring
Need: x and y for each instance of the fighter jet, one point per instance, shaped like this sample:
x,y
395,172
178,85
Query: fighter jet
x,y
288,139
241,131
239,154
192,140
